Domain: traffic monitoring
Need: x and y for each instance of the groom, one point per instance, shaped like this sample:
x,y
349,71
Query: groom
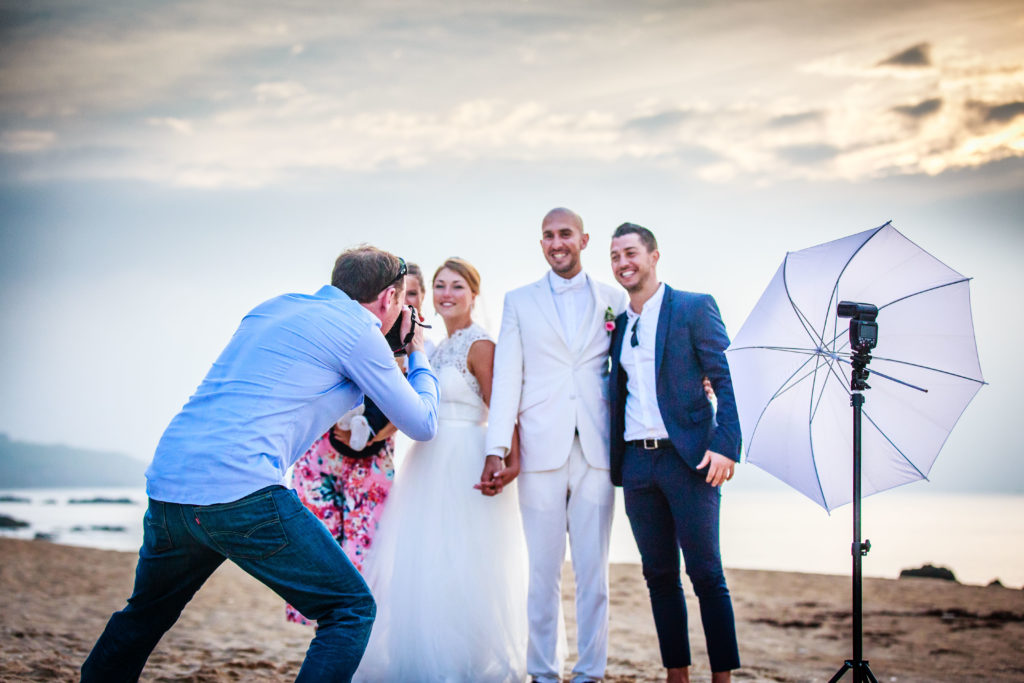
x,y
549,375
670,451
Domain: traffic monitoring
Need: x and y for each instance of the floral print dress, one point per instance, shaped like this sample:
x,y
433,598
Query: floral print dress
x,y
346,494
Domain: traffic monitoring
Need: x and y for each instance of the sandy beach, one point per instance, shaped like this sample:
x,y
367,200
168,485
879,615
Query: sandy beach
x,y
54,601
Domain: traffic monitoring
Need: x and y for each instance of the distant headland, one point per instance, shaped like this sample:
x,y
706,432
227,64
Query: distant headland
x,y
32,465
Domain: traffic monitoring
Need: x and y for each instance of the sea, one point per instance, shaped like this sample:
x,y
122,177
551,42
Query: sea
x,y
980,537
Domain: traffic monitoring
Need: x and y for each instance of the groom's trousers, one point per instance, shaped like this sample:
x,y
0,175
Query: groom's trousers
x,y
579,499
270,535
671,507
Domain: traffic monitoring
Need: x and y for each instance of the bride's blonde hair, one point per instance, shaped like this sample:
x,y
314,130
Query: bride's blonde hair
x,y
463,268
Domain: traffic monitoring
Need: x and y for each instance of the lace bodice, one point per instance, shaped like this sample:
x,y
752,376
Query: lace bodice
x,y
461,397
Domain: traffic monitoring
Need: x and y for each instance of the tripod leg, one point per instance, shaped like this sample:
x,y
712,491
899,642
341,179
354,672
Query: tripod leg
x,y
848,666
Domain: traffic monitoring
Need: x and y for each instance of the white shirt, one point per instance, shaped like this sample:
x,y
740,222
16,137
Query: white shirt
x,y
643,419
572,300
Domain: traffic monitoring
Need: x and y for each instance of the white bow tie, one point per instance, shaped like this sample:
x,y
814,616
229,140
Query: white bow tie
x,y
561,285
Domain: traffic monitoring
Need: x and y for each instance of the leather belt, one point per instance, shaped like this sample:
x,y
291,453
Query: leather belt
x,y
650,444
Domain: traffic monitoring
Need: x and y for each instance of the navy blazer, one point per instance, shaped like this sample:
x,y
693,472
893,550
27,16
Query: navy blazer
x,y
689,344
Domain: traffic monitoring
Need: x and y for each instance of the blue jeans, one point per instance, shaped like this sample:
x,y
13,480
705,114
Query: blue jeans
x,y
271,536
671,508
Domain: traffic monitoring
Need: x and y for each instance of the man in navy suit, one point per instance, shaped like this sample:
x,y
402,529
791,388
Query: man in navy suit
x,y
670,450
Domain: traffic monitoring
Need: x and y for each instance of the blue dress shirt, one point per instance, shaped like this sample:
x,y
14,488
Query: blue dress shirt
x,y
294,366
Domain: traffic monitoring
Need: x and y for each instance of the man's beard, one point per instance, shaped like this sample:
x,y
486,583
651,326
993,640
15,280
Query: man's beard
x,y
568,268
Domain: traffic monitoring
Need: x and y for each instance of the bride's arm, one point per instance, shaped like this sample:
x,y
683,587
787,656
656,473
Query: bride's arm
x,y
480,361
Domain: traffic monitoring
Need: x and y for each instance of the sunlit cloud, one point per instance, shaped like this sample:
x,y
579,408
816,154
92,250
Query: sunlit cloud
x,y
229,95
913,63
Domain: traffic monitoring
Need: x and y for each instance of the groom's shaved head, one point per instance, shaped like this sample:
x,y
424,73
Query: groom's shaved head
x,y
561,212
562,239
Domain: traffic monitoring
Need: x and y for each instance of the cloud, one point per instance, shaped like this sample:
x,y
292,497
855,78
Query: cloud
x,y
998,113
113,55
921,109
262,93
25,141
655,123
177,125
808,154
786,120
697,155
281,90
917,56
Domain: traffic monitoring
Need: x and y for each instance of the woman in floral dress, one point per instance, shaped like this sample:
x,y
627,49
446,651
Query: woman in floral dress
x,y
347,489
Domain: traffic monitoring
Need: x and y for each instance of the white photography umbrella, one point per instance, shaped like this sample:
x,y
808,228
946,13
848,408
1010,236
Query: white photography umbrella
x,y
792,362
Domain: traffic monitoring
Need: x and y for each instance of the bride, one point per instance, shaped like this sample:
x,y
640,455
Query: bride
x,y
448,565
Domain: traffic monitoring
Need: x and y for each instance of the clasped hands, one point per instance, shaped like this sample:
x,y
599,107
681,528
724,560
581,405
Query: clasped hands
x,y
496,476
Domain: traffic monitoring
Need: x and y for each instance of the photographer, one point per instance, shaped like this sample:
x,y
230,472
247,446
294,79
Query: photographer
x,y
294,365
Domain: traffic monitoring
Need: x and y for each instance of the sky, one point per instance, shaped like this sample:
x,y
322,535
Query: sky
x,y
166,166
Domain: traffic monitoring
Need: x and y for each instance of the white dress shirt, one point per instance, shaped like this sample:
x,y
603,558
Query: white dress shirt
x,y
643,419
572,300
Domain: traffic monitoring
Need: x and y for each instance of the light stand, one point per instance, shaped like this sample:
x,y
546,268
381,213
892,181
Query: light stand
x,y
863,338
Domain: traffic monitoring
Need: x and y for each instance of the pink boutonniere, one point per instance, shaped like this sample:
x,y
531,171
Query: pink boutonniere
x,y
609,320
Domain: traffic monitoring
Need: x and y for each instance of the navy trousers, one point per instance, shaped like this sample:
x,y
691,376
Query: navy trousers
x,y
671,508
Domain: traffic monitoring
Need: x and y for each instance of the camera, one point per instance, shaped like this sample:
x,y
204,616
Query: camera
x,y
863,328
394,335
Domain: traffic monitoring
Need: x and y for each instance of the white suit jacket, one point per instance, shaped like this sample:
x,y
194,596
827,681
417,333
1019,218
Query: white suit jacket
x,y
552,390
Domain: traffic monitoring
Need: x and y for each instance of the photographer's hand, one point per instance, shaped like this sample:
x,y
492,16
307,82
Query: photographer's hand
x,y
417,343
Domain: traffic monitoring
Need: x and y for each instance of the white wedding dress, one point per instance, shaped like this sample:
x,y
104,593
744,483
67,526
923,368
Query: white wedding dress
x,y
448,565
